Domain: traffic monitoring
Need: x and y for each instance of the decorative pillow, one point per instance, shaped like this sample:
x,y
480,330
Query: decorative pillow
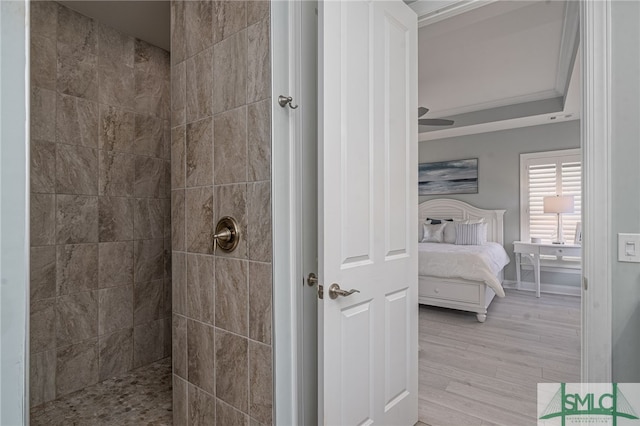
x,y
471,234
433,233
437,221
450,232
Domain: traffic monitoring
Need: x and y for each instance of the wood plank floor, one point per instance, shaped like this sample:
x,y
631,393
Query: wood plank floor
x,y
486,374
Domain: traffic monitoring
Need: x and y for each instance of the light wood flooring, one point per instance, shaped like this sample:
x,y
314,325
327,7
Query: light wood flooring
x,y
486,374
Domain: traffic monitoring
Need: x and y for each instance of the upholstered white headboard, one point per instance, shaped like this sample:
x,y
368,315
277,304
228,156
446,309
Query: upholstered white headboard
x,y
446,208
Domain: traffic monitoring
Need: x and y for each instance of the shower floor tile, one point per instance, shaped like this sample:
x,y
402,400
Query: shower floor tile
x,y
141,397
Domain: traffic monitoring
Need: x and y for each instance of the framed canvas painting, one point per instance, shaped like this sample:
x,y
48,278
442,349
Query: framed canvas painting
x,y
448,177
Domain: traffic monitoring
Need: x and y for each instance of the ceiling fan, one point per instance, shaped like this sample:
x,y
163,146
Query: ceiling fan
x,y
431,121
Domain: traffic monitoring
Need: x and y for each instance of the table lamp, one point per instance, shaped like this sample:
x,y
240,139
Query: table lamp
x,y
558,204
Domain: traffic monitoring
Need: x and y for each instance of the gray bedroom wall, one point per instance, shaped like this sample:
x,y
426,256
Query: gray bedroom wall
x,y
625,175
498,156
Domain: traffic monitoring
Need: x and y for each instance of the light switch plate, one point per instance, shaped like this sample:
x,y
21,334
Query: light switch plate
x,y
629,248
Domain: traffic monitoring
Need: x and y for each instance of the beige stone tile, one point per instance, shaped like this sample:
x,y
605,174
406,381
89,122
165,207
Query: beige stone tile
x,y
167,180
115,67
179,283
115,354
148,343
43,219
148,219
115,46
231,200
115,219
77,31
76,219
259,235
43,166
76,121
115,309
199,89
115,264
77,268
257,10
42,377
149,177
76,170
178,32
178,231
166,142
259,63
147,301
116,173
43,114
229,17
202,407
229,416
179,354
76,366
76,317
42,325
44,18
200,287
232,298
148,260
43,62
260,382
166,218
116,82
151,70
179,92
77,54
167,304
42,275
198,26
77,72
232,370
260,299
200,355
199,217
259,140
166,337
230,147
167,258
149,134
180,410
199,153
116,129
230,71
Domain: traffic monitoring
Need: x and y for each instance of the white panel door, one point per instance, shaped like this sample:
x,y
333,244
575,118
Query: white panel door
x,y
368,150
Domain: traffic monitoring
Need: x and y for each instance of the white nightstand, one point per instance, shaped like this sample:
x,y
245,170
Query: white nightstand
x,y
532,251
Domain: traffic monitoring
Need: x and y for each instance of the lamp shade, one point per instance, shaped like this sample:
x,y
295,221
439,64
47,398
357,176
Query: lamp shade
x,y
558,204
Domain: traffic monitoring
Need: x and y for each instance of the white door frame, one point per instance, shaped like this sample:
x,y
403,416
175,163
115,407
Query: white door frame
x,y
595,35
14,211
595,27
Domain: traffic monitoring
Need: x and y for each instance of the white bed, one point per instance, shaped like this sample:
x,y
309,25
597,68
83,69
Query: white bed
x,y
473,295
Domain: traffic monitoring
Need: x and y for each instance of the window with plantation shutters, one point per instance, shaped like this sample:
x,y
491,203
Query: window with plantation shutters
x,y
545,174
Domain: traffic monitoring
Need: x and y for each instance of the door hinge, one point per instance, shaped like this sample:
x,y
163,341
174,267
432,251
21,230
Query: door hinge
x,y
585,283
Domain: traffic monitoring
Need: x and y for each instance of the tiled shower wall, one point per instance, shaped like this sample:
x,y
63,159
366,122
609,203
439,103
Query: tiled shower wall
x,y
220,157
100,202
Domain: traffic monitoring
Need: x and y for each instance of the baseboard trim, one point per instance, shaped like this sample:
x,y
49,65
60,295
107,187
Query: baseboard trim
x,y
544,288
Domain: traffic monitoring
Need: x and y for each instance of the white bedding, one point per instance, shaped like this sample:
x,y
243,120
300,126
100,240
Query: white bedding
x,y
474,263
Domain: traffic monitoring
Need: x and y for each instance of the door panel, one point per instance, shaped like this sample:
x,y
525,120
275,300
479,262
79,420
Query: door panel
x,y
368,359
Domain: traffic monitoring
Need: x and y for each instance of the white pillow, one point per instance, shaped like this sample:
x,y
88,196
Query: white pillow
x,y
433,233
471,234
450,232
